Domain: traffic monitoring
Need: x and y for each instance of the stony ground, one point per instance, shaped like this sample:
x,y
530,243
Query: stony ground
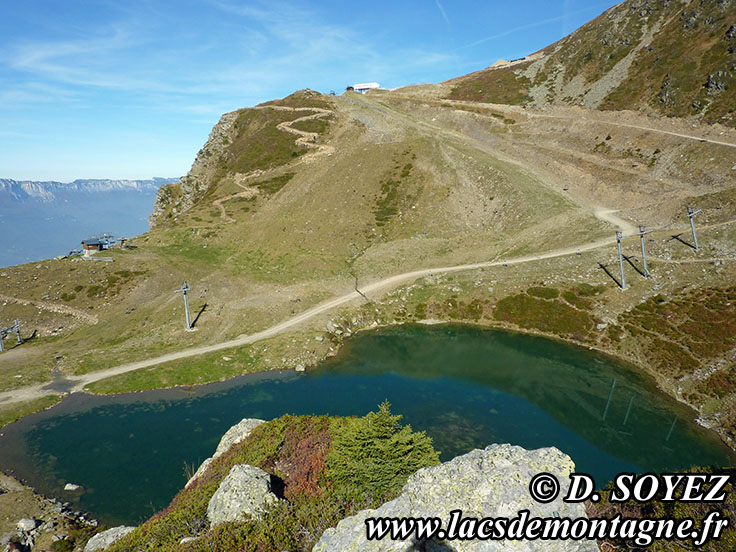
x,y
29,520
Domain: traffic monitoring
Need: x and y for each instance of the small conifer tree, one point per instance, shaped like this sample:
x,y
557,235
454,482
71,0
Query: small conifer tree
x,y
373,456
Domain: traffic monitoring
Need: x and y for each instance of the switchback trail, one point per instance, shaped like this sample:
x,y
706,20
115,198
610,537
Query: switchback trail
x,y
305,139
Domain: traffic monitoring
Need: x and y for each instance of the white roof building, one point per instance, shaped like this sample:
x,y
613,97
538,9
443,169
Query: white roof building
x,y
365,86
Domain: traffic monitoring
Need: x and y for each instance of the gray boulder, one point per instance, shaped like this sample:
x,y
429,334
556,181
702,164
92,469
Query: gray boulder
x,y
245,491
102,541
483,483
26,524
200,470
235,434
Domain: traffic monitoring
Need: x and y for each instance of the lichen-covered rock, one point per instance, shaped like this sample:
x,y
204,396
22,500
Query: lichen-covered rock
x,y
245,491
236,434
102,541
483,483
239,432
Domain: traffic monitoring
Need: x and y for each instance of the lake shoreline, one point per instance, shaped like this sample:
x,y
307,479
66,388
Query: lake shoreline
x,y
499,370
632,363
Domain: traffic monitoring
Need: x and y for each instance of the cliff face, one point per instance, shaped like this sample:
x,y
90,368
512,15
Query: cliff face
x,y
173,199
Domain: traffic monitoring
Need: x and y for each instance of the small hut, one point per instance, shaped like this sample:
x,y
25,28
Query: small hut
x,y
91,246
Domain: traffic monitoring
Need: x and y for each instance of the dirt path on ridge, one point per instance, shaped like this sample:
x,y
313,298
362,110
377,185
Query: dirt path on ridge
x,y
306,139
53,307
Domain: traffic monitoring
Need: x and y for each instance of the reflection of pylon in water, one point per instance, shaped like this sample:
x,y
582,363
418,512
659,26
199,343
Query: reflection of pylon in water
x,y
15,328
608,403
626,417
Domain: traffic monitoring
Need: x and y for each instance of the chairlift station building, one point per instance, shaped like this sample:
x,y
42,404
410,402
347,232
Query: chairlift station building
x,y
366,86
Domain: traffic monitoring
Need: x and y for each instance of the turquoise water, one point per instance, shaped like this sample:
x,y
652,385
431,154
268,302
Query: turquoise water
x,y
466,387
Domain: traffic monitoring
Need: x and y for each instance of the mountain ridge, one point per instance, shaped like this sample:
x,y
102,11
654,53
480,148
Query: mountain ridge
x,y
45,190
669,57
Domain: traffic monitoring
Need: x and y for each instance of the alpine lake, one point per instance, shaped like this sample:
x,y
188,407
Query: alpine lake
x,y
466,387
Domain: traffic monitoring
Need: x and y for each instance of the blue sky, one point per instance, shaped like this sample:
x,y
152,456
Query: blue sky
x,y
131,89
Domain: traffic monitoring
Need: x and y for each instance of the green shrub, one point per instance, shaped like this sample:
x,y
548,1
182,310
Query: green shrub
x,y
543,292
576,301
66,545
548,316
273,185
586,290
319,126
420,311
294,449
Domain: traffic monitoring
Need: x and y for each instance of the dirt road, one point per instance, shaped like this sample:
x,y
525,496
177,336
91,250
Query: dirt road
x,y
53,307
638,127
375,288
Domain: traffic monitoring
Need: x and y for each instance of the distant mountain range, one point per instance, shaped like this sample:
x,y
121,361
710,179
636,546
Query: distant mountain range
x,y
41,220
47,191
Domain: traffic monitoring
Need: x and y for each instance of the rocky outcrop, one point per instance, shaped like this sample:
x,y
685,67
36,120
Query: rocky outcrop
x,y
234,435
26,524
245,491
197,180
29,521
102,541
482,483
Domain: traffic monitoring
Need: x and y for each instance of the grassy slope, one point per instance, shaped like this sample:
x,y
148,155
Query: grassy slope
x,y
686,70
410,185
672,74
373,210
